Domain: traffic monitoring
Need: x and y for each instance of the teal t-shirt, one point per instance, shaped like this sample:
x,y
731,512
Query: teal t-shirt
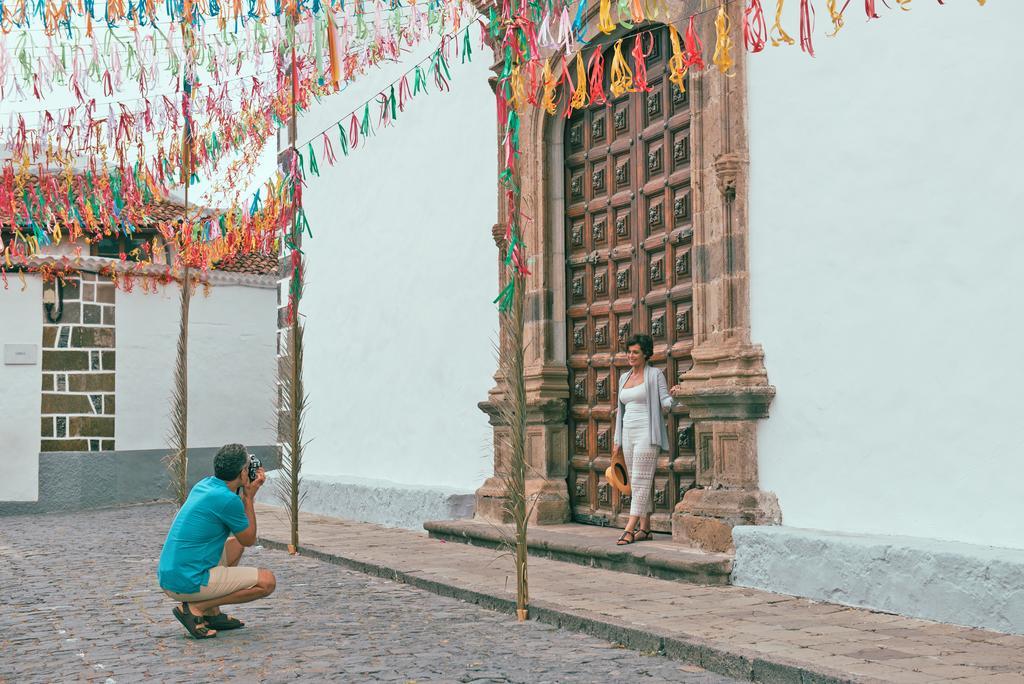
x,y
196,539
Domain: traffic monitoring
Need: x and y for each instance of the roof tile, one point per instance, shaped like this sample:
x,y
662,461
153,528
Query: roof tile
x,y
255,263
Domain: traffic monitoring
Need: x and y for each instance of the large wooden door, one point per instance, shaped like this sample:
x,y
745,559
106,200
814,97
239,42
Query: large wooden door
x,y
628,234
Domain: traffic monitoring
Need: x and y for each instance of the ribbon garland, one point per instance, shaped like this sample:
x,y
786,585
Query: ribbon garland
x,y
360,124
198,241
114,70
513,31
53,19
807,26
224,132
247,131
86,205
778,34
127,59
260,114
46,202
224,129
723,43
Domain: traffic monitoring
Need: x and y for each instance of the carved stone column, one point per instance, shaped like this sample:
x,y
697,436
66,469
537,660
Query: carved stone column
x,y
545,485
726,391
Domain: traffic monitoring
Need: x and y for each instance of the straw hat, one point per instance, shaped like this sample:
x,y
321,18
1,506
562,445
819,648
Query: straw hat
x,y
617,474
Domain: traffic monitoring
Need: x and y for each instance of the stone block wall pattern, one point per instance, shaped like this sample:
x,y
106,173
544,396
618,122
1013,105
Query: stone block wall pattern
x,y
78,368
954,582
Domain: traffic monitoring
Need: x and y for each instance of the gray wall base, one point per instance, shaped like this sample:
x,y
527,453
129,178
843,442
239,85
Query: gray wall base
x,y
77,480
963,584
376,501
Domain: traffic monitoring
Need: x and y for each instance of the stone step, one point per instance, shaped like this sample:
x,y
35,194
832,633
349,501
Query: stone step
x,y
595,547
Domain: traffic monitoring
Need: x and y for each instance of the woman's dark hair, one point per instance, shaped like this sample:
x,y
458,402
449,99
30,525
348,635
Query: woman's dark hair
x,y
646,343
229,461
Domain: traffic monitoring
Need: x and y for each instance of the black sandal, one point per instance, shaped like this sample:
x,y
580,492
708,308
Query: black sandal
x,y
647,535
222,622
195,624
623,541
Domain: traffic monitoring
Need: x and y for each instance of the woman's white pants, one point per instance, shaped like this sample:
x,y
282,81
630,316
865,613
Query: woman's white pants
x,y
641,460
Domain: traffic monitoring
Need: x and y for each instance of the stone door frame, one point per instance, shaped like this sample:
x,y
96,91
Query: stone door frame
x,y
726,391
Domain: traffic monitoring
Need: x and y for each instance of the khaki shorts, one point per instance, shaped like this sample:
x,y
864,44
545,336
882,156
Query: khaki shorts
x,y
224,580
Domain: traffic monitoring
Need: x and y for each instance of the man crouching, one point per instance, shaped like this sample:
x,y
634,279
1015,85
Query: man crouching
x,y
199,563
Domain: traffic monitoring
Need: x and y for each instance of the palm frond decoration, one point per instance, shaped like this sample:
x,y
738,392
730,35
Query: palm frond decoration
x,y
293,401
177,459
511,411
291,420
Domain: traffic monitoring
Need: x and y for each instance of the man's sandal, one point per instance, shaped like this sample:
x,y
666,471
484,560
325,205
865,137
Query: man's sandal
x,y
222,622
623,540
195,624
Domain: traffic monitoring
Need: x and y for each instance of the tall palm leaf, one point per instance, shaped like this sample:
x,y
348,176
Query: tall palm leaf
x,y
292,418
177,459
512,412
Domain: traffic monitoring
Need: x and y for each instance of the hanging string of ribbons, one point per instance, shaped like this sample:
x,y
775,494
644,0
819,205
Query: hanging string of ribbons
x,y
55,17
353,130
135,59
68,205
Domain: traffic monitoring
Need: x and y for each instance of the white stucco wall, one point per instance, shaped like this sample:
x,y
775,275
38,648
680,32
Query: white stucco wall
x,y
885,253
401,273
21,313
232,365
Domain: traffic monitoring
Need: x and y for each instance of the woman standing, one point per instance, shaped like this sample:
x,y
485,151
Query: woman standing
x,y
640,432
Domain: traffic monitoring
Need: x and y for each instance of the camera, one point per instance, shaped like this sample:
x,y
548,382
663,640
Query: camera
x,y
254,465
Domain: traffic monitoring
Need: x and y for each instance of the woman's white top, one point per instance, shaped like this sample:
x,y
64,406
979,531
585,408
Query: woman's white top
x,y
658,401
635,401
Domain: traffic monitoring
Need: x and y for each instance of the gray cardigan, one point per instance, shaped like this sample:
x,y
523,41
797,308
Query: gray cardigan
x,y
658,400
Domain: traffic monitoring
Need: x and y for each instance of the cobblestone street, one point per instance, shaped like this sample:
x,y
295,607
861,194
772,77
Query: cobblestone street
x,y
81,603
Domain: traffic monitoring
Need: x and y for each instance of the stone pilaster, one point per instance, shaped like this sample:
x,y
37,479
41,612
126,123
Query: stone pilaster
x,y
547,378
727,390
546,439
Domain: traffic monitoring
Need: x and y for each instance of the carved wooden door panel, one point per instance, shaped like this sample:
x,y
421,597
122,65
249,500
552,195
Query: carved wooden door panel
x,y
628,237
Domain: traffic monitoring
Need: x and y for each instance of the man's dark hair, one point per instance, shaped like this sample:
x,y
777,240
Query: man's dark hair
x,y
229,461
646,344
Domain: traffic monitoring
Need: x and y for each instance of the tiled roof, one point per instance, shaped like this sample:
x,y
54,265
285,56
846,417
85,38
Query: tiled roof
x,y
165,211
250,262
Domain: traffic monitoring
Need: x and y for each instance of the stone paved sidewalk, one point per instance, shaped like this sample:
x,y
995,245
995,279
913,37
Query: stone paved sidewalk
x,y
80,603
745,633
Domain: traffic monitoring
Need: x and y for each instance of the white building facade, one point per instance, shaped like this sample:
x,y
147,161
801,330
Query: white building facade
x,y
399,279
88,373
824,250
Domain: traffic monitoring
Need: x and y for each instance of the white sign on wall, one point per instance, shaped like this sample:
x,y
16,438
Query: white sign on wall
x,y
21,354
